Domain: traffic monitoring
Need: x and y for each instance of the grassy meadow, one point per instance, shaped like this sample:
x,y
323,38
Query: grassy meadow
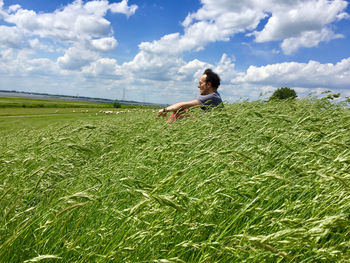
x,y
12,119
254,182
47,103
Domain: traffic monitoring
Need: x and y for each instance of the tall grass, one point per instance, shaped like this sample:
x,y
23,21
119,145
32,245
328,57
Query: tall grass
x,y
255,182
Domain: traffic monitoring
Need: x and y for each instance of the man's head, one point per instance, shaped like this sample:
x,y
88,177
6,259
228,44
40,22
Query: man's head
x,y
209,82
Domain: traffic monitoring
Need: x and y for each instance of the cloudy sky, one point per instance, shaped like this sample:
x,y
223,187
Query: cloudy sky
x,y
156,50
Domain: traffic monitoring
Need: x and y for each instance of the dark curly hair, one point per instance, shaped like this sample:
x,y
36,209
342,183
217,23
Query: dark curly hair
x,y
212,77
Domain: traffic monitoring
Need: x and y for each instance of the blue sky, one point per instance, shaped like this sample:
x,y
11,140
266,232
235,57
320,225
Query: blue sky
x,y
156,50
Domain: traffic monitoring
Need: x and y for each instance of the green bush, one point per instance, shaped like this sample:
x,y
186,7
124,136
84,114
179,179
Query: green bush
x,y
116,104
283,93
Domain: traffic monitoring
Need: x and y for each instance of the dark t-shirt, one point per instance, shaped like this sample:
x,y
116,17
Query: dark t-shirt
x,y
212,99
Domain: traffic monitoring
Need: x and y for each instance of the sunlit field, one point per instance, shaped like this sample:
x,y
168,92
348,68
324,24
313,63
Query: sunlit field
x,y
47,103
254,182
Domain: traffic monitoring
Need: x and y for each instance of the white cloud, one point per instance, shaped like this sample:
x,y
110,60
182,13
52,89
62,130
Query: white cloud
x,y
153,66
41,66
104,67
80,28
1,6
104,44
293,74
168,44
206,26
38,45
13,8
14,63
192,70
290,21
10,37
308,39
76,57
77,22
226,69
123,8
302,23
91,26
72,23
96,8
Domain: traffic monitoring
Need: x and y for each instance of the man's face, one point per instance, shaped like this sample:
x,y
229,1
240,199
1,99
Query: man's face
x,y
204,88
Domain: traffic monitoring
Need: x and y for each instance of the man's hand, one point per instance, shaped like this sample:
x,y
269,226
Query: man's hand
x,y
161,113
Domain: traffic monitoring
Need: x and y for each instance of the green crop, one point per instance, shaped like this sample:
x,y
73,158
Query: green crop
x,y
254,182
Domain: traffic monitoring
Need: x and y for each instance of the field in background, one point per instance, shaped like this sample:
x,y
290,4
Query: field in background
x,y
16,113
255,182
47,103
6,103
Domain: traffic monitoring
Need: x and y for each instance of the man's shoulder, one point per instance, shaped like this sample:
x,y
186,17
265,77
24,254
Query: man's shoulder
x,y
214,94
214,97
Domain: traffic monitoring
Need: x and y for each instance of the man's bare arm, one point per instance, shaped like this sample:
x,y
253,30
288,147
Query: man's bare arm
x,y
177,106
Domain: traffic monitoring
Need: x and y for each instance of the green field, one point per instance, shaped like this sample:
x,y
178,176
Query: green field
x,y
47,103
254,182
18,103
12,119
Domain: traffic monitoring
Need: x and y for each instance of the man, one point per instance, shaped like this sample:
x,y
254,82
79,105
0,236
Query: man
x,y
208,85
